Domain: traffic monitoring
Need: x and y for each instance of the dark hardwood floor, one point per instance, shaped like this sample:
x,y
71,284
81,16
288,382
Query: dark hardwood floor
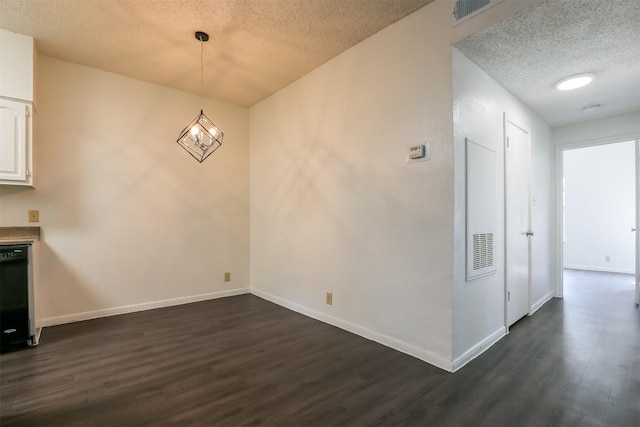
x,y
244,361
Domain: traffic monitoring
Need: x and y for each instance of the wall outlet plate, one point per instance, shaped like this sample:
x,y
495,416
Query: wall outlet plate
x,y
227,276
329,298
34,216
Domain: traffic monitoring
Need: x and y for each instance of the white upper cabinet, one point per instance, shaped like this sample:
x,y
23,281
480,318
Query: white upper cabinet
x,y
16,66
16,108
15,147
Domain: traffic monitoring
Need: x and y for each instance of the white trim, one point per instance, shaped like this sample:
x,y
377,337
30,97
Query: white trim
x,y
558,226
637,266
427,356
604,269
479,348
593,142
114,311
536,306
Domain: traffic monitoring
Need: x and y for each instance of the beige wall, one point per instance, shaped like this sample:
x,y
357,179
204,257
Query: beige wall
x,y
130,220
334,205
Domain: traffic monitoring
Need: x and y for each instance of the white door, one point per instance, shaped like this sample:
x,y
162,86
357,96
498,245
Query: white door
x,y
518,221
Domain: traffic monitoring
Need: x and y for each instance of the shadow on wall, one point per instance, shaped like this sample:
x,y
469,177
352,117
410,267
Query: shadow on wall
x,y
57,288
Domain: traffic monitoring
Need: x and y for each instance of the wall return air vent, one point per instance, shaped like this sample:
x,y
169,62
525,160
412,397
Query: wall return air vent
x,y
482,250
481,212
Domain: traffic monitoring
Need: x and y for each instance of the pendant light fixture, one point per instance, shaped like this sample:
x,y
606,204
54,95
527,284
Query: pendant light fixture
x,y
201,137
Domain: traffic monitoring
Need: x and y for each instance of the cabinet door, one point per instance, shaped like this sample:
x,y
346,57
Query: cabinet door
x,y
16,65
14,136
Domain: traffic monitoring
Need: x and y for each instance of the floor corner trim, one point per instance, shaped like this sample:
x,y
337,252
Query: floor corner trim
x,y
432,358
114,311
479,348
536,306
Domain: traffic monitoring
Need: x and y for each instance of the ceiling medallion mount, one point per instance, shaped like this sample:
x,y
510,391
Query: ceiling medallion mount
x,y
201,137
202,36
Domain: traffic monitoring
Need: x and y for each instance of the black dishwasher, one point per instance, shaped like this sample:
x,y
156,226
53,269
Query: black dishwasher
x,y
14,297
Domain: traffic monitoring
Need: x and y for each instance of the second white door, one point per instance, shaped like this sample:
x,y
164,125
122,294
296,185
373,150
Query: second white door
x,y
518,222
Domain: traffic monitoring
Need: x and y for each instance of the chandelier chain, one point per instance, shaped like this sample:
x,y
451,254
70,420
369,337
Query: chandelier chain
x,y
201,73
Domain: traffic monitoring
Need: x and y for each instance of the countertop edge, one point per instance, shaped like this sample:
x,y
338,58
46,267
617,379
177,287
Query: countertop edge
x,y
16,235
17,240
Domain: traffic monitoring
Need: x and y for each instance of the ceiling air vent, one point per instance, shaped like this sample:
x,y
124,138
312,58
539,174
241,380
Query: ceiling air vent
x,y
464,8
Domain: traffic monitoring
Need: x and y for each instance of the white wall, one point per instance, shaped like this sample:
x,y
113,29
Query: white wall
x,y
130,220
600,207
612,129
478,109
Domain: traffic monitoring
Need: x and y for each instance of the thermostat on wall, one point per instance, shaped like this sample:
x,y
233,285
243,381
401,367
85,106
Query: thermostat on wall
x,y
418,153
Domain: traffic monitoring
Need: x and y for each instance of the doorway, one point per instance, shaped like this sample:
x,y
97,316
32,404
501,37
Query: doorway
x,y
598,211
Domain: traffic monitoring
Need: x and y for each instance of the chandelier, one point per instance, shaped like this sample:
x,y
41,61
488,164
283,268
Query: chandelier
x,y
201,137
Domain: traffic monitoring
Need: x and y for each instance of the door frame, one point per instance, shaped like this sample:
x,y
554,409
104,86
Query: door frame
x,y
637,222
506,119
559,175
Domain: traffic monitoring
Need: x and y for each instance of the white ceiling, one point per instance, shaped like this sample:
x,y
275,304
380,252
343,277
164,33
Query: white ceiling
x,y
529,52
257,46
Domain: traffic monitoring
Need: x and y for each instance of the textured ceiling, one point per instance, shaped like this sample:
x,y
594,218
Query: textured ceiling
x,y
259,46
529,52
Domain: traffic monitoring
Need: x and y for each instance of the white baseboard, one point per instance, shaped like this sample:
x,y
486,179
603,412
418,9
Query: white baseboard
x,y
479,348
604,269
541,302
113,311
426,356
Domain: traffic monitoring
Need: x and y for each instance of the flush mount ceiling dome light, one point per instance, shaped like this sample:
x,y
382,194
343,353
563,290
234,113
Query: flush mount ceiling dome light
x,y
201,137
574,82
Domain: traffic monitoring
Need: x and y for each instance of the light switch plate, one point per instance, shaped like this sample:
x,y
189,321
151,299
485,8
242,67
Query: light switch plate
x,y
34,216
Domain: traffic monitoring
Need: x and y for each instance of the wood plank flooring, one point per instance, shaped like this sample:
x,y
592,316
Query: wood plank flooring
x,y
244,361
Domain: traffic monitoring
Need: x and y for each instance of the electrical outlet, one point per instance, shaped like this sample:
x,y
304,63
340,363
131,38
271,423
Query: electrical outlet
x,y
607,258
34,216
227,276
329,298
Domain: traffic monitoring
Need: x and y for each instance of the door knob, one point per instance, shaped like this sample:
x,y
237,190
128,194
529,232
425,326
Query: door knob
x,y
529,233
633,229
